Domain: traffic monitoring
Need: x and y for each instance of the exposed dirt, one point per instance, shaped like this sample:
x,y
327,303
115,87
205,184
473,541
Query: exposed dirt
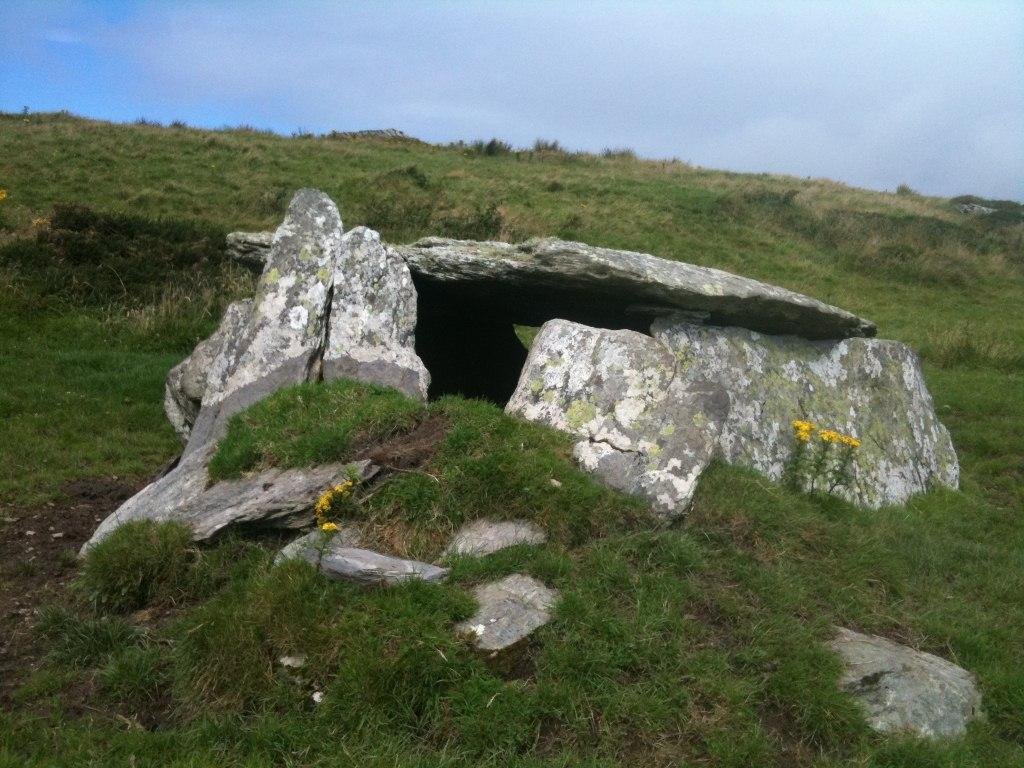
x,y
409,450
38,558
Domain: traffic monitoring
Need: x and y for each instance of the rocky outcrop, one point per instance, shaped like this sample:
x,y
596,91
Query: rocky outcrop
x,y
508,611
282,337
543,279
902,689
653,412
483,537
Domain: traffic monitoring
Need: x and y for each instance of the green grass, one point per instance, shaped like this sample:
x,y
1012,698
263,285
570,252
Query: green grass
x,y
698,645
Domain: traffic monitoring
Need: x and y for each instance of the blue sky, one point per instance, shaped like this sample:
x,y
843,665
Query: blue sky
x,y
929,94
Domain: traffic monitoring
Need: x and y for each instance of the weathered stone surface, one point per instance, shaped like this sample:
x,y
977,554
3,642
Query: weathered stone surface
x,y
250,247
373,317
285,335
336,557
482,537
906,690
309,545
617,391
509,610
543,279
870,389
548,276
187,381
655,411
282,498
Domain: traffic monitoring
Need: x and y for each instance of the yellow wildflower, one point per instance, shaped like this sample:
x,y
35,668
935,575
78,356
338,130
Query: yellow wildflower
x,y
329,527
3,195
40,223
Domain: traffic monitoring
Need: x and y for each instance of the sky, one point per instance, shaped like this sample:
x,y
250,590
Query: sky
x,y
875,94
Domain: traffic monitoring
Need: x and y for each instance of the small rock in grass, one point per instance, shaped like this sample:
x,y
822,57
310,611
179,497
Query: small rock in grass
x,y
482,537
292,662
902,689
337,558
509,610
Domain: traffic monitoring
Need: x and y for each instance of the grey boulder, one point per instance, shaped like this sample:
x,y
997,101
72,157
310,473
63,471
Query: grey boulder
x,y
482,537
508,611
869,389
617,393
650,413
901,689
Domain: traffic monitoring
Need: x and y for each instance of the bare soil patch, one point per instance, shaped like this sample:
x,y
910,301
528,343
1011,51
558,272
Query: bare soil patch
x,y
38,558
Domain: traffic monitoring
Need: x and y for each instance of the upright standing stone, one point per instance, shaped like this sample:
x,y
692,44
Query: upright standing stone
x,y
282,338
870,389
373,317
616,391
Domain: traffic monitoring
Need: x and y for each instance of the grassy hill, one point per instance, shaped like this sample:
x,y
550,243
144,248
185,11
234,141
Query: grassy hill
x,y
700,645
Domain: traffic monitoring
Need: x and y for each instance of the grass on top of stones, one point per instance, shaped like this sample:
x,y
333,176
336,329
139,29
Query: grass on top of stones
x,y
442,464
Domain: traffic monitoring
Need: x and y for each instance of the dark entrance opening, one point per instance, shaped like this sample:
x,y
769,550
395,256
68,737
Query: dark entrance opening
x,y
468,344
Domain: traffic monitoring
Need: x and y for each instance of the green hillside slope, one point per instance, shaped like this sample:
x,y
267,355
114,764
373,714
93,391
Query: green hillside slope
x,y
699,645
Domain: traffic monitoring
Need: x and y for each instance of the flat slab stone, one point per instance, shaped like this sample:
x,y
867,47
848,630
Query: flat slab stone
x,y
335,556
543,279
552,276
509,610
902,689
482,537
309,546
364,566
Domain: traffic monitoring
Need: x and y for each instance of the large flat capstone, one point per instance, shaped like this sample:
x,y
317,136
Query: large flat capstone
x,y
547,278
902,689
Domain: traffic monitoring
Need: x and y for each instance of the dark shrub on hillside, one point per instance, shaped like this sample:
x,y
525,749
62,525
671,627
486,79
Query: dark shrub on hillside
x,y
88,257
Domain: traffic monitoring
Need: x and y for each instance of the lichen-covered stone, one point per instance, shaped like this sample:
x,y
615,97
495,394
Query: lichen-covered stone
x,y
904,690
508,611
543,279
653,412
373,317
870,389
482,537
616,390
187,381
